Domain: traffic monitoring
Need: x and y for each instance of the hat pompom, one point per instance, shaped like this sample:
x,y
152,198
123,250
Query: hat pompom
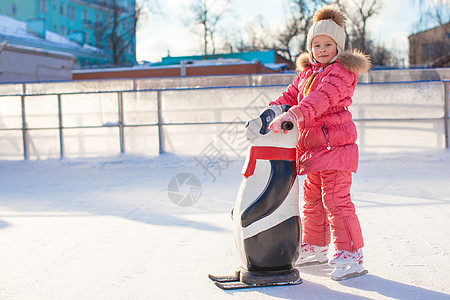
x,y
329,12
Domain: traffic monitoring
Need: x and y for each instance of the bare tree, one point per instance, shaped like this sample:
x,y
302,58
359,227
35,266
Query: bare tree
x,y
121,39
258,37
290,40
119,30
358,13
295,31
381,56
207,15
433,13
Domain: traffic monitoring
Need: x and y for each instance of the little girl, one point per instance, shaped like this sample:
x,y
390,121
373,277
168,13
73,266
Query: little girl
x,y
326,149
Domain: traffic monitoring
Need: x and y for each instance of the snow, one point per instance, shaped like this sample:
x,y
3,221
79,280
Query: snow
x,y
15,28
105,228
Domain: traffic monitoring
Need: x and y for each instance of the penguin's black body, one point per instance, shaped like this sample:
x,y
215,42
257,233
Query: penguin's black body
x,y
275,247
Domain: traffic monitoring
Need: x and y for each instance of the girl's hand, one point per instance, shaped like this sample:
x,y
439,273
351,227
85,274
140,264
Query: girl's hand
x,y
289,116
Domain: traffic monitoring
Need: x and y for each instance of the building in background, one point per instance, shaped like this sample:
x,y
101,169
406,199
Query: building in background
x,y
252,62
25,35
109,25
430,48
24,64
269,58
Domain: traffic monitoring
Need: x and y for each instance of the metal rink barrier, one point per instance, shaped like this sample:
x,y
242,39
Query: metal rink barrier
x,y
110,117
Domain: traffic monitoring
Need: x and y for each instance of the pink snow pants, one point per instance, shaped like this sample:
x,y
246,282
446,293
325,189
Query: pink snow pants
x,y
327,204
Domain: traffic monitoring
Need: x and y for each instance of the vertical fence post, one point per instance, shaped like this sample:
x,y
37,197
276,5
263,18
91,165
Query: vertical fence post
x,y
60,121
121,131
446,111
24,129
160,123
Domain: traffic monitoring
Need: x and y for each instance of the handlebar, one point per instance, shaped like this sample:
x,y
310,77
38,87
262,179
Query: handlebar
x,y
287,125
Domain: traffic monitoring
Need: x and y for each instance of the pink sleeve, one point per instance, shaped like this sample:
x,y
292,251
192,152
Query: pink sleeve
x,y
290,96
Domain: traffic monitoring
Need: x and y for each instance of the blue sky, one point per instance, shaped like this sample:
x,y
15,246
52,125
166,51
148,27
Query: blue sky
x,y
162,33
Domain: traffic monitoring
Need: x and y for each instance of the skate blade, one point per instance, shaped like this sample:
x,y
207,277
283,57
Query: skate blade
x,y
234,285
225,278
311,263
350,275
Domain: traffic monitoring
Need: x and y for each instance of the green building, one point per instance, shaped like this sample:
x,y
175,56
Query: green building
x,y
105,24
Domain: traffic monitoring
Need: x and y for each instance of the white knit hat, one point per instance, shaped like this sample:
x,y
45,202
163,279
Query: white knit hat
x,y
328,21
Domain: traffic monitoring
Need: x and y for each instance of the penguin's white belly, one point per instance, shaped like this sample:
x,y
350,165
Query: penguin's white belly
x,y
250,190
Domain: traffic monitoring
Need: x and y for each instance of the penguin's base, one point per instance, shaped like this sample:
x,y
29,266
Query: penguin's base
x,y
269,277
243,279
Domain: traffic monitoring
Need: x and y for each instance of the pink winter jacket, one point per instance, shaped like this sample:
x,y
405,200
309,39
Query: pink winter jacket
x,y
327,135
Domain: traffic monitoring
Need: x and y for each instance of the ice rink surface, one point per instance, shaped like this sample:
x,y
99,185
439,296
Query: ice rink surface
x,y
109,229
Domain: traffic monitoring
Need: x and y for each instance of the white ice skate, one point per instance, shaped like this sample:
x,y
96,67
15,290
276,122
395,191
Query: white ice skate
x,y
312,255
347,265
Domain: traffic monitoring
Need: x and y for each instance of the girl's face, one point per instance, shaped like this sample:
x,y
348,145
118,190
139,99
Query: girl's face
x,y
324,48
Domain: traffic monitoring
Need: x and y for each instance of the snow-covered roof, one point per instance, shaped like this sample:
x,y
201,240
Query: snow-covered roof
x,y
188,63
18,29
275,66
37,50
134,68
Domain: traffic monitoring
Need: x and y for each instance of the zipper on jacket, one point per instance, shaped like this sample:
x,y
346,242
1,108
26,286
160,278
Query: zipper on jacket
x,y
326,137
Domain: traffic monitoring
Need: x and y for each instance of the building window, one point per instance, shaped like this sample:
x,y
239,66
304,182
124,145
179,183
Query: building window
x,y
85,15
42,6
62,9
63,30
432,50
98,38
12,9
72,12
426,51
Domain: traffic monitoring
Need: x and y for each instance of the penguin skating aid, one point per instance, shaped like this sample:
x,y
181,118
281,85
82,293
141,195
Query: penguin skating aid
x,y
266,215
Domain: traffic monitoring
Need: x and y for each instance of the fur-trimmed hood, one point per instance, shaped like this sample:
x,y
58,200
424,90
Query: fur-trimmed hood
x,y
354,61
